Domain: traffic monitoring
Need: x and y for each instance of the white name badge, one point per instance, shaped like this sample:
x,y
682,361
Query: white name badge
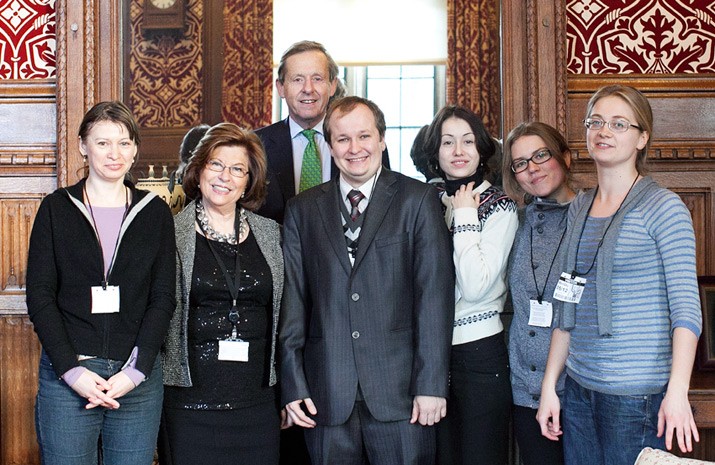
x,y
105,300
233,350
569,289
540,314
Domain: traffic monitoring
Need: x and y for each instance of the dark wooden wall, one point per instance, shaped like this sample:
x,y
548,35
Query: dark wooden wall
x,y
38,152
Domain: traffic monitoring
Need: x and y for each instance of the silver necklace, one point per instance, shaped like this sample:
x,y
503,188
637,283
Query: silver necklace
x,y
211,233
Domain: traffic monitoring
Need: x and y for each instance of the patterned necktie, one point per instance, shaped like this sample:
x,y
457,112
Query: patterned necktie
x,y
310,170
355,196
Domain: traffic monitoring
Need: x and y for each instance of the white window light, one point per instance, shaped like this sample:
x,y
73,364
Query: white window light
x,y
358,32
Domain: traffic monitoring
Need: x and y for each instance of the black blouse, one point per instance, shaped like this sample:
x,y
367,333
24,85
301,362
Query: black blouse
x,y
219,385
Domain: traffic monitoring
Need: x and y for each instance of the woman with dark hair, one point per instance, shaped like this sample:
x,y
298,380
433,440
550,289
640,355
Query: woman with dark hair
x,y
219,369
631,316
483,222
536,172
100,294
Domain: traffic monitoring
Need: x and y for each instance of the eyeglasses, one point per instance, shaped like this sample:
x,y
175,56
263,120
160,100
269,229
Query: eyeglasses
x,y
542,156
235,170
616,125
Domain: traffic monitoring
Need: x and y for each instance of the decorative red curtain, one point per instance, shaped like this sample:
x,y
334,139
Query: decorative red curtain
x,y
473,78
248,62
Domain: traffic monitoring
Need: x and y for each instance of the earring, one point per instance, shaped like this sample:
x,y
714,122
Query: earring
x,y
243,194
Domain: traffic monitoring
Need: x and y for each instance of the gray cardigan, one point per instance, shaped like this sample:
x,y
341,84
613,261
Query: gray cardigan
x,y
175,353
604,260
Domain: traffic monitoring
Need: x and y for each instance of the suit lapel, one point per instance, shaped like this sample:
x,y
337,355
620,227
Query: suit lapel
x,y
329,209
282,159
377,209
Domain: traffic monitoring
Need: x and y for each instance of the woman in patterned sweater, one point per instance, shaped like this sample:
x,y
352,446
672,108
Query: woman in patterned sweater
x,y
628,341
483,222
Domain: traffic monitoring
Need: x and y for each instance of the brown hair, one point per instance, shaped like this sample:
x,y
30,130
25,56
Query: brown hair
x,y
114,112
228,134
555,143
641,108
307,46
345,105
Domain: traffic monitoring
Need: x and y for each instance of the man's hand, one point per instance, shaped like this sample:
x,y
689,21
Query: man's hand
x,y
428,410
296,414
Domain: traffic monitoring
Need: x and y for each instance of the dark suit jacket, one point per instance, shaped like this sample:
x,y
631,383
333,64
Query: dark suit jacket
x,y
385,322
281,179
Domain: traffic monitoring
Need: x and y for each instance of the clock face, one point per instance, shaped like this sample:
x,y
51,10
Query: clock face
x,y
163,4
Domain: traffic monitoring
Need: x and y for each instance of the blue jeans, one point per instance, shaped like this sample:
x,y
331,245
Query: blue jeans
x,y
603,429
68,434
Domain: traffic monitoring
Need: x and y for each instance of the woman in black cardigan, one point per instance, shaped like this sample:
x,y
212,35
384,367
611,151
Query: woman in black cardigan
x,y
100,293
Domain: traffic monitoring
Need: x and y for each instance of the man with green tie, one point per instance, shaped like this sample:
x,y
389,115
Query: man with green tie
x,y
298,155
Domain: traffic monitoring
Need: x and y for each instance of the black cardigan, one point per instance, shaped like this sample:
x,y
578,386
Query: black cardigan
x,y
64,262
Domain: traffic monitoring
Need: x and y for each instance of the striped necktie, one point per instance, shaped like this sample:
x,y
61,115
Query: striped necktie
x,y
355,196
310,170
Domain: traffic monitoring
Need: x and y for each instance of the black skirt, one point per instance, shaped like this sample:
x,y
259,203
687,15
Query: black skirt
x,y
248,435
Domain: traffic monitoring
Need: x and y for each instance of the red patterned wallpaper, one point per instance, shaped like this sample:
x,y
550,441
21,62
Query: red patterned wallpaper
x,y
473,58
27,39
248,62
641,36
165,71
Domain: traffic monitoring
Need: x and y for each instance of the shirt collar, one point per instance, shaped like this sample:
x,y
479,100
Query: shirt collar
x,y
295,128
367,188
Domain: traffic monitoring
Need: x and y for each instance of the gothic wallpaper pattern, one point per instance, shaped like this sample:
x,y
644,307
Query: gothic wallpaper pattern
x,y
165,71
248,62
473,78
27,39
641,36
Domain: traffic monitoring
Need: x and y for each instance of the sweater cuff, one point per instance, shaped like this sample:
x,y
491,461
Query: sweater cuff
x,y
72,375
130,370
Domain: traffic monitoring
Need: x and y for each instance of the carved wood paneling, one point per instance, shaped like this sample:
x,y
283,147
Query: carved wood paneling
x,y
19,358
16,218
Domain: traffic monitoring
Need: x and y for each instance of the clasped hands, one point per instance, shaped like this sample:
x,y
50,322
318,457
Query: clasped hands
x,y
102,392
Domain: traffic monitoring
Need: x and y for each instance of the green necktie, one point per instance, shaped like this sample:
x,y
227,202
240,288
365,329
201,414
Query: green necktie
x,y
310,171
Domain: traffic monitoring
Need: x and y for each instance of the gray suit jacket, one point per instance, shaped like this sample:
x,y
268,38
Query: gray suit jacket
x,y
176,352
386,322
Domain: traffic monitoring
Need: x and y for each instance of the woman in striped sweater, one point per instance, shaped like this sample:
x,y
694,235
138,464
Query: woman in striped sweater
x,y
628,340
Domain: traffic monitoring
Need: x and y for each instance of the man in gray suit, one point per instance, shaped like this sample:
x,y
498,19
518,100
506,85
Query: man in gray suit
x,y
368,304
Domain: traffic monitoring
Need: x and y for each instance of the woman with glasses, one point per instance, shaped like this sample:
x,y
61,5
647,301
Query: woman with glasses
x,y
483,222
219,366
536,173
631,315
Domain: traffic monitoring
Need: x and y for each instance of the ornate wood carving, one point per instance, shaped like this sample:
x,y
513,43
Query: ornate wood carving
x,y
19,359
16,217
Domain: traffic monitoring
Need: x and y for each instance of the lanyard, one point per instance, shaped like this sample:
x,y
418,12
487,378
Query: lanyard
x,y
575,272
99,238
540,293
233,285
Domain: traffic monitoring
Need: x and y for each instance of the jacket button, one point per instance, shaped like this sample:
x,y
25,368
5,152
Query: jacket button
x,y
356,334
534,397
540,230
541,216
532,368
532,333
355,296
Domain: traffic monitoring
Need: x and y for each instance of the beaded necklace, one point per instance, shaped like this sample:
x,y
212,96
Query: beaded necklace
x,y
210,233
